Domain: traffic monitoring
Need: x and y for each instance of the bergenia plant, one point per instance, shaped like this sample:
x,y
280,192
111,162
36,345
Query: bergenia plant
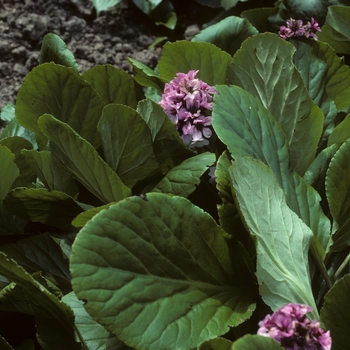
x,y
200,205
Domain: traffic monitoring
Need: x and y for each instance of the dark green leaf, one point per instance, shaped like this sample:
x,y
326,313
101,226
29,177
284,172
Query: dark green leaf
x,y
114,85
4,344
54,49
258,17
216,344
103,5
183,56
83,161
85,216
335,314
256,342
228,34
340,133
169,282
62,92
282,238
127,143
183,179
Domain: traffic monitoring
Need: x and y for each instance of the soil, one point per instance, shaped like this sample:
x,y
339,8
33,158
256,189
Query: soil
x,y
122,31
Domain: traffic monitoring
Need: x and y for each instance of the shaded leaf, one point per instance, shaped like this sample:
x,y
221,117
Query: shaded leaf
x,y
127,143
258,17
256,342
81,219
340,133
4,344
62,92
338,195
80,158
54,49
216,344
183,179
182,56
114,85
282,238
335,314
228,34
169,281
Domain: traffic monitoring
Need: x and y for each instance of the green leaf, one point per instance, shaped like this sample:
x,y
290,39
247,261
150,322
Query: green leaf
x,y
62,92
336,31
340,133
80,158
127,143
114,85
145,76
7,112
335,314
54,49
338,195
169,283
183,179
216,344
16,144
248,129
227,4
54,320
9,172
147,6
256,342
282,238
50,172
168,146
264,68
85,216
52,208
227,34
103,5
41,253
183,56
4,344
258,17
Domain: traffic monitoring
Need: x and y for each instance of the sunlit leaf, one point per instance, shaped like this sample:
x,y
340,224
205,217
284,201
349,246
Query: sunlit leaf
x,y
169,283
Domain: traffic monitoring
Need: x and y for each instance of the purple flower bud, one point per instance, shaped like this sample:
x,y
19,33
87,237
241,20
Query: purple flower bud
x,y
295,28
187,101
293,330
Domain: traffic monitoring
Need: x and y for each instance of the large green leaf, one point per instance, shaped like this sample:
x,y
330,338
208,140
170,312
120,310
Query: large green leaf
x,y
62,92
256,342
54,319
52,208
114,85
157,272
183,179
54,49
264,68
248,129
282,238
50,172
168,146
336,30
335,314
227,34
83,161
127,143
182,56
338,194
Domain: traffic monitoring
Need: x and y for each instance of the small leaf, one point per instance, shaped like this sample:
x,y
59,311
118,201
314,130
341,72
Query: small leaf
x,y
182,56
114,85
62,92
338,195
228,34
103,5
85,216
169,282
335,314
54,49
340,133
183,179
52,208
7,112
282,238
127,143
256,342
83,161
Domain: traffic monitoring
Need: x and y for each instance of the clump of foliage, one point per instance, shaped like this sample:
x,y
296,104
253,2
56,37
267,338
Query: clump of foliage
x,y
114,236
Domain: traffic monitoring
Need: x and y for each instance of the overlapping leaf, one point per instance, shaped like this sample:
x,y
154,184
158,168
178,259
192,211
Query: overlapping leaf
x,y
83,161
157,273
256,342
282,238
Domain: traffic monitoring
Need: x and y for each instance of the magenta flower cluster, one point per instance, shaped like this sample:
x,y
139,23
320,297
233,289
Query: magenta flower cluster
x,y
295,28
187,101
290,327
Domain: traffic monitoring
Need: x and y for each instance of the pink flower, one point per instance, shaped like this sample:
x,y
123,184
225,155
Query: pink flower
x,y
187,101
295,28
293,330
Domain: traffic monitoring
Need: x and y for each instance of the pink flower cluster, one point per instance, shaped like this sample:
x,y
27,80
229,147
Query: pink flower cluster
x,y
187,101
293,330
295,28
